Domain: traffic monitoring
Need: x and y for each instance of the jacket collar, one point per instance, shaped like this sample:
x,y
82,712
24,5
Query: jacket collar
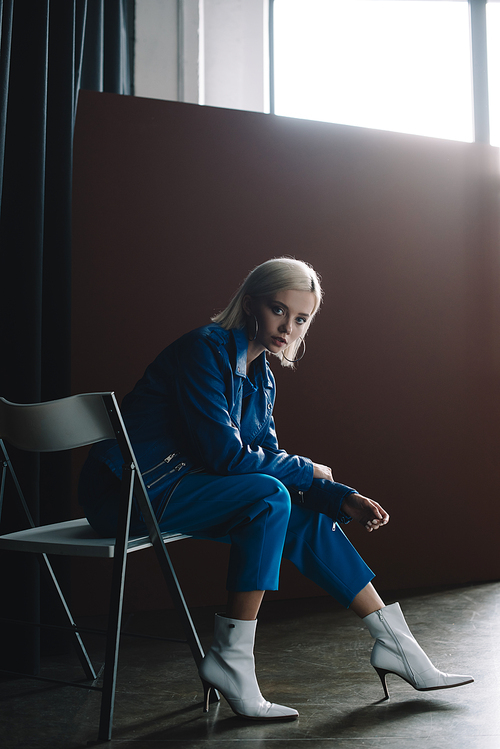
x,y
241,341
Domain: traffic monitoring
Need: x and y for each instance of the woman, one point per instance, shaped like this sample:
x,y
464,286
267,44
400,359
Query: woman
x,y
201,424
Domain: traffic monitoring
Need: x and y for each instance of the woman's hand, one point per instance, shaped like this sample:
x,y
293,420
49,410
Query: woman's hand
x,y
322,472
365,511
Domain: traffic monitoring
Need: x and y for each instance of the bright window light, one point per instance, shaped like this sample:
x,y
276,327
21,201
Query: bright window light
x,y
493,41
401,65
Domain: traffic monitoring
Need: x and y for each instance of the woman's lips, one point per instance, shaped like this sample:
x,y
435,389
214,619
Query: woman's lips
x,y
279,341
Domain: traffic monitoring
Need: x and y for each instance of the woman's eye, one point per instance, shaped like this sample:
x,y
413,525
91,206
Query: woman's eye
x,y
277,310
300,320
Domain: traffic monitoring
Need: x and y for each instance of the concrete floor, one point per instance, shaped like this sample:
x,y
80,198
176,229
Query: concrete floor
x,y
312,655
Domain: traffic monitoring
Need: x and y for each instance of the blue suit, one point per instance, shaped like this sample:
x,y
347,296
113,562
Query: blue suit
x,y
204,438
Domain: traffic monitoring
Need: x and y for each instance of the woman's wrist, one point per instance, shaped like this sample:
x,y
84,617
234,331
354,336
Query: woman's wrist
x,y
322,472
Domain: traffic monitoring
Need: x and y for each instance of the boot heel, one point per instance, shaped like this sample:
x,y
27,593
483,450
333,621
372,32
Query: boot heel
x,y
207,688
382,672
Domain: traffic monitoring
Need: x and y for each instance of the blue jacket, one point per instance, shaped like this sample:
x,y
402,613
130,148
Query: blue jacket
x,y
195,409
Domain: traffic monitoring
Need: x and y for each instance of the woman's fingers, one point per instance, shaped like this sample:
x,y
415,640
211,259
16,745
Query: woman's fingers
x,y
365,511
373,525
381,517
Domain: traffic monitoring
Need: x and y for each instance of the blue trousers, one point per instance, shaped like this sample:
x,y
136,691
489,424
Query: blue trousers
x,y
253,513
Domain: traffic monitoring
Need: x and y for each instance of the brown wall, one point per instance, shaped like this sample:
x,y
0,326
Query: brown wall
x,y
399,390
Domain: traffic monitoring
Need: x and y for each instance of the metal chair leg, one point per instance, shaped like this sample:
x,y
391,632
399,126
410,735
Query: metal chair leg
x,y
183,612
116,607
77,640
80,649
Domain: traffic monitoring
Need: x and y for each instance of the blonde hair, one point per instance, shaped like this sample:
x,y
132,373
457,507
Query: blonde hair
x,y
278,274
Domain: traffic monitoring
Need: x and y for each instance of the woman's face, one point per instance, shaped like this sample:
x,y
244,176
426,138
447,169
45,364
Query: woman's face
x,y
281,319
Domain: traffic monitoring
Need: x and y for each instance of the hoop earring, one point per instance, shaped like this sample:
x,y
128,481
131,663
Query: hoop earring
x,y
292,361
256,329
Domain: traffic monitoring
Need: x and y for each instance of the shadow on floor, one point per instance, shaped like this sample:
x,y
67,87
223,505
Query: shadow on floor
x,y
310,654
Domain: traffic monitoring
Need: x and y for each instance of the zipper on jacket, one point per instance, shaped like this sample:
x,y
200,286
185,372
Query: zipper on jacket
x,y
165,460
175,469
160,511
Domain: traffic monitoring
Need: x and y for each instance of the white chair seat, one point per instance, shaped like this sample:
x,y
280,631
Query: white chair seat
x,y
73,538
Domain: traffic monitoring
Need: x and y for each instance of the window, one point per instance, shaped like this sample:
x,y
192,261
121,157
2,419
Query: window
x,y
401,65
493,30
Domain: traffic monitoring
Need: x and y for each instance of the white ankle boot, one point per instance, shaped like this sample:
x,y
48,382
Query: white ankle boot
x,y
397,652
229,666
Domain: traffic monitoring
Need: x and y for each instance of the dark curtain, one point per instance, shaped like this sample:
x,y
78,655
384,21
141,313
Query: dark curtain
x,y
49,50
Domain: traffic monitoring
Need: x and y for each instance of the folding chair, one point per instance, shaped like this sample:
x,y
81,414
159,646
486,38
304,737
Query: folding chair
x,y
62,425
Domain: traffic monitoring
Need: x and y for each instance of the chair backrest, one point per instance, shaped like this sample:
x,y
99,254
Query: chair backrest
x,y
57,425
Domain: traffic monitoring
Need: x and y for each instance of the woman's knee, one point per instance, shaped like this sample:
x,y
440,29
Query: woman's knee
x,y
274,492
